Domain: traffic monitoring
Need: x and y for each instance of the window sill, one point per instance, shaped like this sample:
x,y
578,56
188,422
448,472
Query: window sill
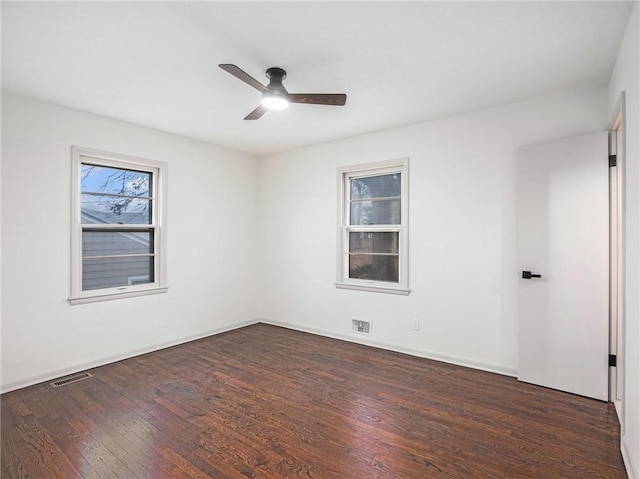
x,y
375,289
118,295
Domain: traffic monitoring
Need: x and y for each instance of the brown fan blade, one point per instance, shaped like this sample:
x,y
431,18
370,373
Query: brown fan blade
x,y
257,113
244,76
337,99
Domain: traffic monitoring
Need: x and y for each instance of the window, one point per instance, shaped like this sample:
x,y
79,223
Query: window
x,y
118,226
373,242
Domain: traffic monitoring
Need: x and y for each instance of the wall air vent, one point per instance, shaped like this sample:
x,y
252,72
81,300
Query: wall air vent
x,y
70,379
362,326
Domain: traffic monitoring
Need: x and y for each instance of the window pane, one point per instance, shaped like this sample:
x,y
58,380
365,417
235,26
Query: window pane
x,y
376,242
107,243
114,210
375,212
374,267
382,186
115,181
112,272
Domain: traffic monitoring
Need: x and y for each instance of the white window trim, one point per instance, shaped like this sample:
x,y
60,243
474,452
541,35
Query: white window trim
x,y
80,155
373,169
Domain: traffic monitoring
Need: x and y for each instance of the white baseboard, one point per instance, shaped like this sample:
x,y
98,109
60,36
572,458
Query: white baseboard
x,y
48,376
344,337
469,363
629,459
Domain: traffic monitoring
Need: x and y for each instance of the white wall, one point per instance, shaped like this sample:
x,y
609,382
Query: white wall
x,y
212,244
626,78
462,231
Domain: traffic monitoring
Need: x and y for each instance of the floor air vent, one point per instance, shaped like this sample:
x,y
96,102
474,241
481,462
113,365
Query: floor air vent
x,y
361,326
70,379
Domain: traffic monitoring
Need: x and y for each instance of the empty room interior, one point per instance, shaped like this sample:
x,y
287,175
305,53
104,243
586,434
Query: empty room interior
x,y
320,239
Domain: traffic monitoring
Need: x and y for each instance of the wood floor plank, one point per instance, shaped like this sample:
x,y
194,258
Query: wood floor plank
x,y
63,435
86,436
30,448
267,402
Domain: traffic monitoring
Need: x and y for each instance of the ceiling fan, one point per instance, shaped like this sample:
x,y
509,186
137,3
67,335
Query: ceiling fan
x,y
275,96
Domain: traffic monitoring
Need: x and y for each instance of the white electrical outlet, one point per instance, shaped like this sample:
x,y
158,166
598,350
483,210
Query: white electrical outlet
x,y
415,324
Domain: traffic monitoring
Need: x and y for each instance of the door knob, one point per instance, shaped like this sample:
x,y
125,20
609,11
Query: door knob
x,y
529,275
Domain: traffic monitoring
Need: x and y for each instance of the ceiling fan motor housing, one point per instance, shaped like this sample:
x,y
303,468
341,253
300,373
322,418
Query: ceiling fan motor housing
x,y
276,72
275,88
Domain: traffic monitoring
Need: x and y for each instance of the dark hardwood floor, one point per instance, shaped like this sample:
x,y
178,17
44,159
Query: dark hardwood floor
x,y
266,402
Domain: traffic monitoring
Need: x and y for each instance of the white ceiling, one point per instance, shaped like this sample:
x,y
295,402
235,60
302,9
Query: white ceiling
x,y
156,63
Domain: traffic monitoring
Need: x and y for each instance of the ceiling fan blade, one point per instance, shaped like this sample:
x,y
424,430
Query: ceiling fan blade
x,y
244,76
337,99
257,113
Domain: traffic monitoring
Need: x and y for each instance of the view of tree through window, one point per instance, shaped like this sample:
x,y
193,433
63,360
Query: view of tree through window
x,y
374,201
115,204
117,191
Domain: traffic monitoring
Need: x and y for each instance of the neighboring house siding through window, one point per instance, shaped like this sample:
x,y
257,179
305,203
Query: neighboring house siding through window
x,y
101,273
119,227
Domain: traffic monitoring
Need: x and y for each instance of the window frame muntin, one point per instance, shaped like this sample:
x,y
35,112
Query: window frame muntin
x,y
81,155
379,168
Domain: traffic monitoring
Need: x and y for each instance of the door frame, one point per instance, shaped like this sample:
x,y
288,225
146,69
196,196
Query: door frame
x,y
617,198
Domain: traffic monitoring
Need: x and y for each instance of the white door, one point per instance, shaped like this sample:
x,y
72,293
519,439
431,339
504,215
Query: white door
x,y
563,236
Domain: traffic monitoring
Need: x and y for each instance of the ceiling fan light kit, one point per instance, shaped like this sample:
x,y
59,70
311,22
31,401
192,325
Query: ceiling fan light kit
x,y
274,102
275,96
